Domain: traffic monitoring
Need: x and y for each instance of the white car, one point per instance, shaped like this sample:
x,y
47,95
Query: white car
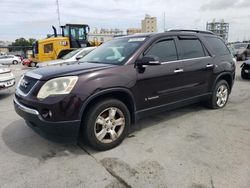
x,y
71,57
7,79
9,59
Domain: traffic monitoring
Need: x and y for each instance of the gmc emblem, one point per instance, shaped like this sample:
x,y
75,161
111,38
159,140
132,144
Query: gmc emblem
x,y
24,83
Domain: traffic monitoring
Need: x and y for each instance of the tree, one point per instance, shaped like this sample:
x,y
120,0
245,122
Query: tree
x,y
23,42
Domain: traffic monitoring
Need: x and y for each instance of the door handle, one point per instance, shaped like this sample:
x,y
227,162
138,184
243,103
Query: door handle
x,y
209,65
178,70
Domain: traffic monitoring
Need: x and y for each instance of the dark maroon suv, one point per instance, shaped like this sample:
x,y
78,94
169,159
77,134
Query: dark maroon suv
x,y
124,80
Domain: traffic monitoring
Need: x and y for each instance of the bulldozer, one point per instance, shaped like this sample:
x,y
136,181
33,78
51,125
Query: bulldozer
x,y
57,45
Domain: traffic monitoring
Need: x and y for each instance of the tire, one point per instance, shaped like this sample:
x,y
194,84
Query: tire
x,y
99,124
243,74
214,102
243,57
15,62
32,64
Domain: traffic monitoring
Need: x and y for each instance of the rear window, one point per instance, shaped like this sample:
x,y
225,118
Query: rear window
x,y
219,47
191,48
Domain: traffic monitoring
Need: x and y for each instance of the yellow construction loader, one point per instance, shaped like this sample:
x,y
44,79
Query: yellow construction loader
x,y
55,46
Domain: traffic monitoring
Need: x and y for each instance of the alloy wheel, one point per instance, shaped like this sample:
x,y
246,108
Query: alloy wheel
x,y
109,125
222,95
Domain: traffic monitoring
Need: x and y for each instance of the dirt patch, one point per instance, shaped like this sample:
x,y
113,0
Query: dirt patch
x,y
144,174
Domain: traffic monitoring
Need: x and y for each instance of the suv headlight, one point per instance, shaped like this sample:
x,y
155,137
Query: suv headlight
x,y
57,86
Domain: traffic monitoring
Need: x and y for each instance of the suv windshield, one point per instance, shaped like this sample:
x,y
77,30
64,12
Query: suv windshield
x,y
71,54
114,52
239,46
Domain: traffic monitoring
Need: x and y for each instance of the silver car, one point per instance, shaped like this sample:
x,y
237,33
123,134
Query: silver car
x,y
68,58
9,60
7,79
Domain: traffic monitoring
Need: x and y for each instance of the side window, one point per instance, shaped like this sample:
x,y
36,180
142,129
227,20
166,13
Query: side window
x,y
191,48
165,50
48,48
219,47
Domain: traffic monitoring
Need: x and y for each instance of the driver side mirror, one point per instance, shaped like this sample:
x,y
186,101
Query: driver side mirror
x,y
79,57
149,60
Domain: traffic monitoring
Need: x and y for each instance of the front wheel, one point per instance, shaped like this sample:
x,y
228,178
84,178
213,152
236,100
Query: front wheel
x,y
32,64
219,96
106,124
243,73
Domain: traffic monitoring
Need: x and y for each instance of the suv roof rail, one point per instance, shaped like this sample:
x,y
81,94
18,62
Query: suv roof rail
x,y
190,30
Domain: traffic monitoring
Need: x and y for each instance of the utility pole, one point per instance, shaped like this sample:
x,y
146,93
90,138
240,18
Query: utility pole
x,y
164,21
58,14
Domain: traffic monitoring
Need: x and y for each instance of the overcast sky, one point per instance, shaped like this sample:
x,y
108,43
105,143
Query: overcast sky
x,y
26,18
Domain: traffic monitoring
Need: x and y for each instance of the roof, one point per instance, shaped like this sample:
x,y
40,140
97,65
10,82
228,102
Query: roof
x,y
171,32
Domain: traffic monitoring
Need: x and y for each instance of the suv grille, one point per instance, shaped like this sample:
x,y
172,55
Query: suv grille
x,y
26,84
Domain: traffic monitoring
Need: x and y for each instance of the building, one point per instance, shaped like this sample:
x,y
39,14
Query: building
x,y
104,35
131,31
4,47
220,28
149,24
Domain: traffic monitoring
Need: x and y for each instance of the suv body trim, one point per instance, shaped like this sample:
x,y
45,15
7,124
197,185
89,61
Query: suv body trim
x,y
25,109
190,59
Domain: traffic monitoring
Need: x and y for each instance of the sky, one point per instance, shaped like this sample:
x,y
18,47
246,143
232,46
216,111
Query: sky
x,y
26,18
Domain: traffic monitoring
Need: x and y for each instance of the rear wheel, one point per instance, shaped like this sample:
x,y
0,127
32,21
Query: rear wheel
x,y
219,96
15,62
106,124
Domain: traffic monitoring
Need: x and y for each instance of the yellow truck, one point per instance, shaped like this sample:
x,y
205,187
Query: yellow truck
x,y
55,46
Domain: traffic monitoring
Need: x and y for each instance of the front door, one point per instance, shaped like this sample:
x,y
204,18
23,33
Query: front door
x,y
160,84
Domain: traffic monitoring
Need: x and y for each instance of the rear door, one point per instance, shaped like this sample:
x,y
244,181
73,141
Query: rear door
x,y
197,66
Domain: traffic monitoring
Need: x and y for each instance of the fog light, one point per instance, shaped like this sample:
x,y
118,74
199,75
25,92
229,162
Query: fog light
x,y
46,114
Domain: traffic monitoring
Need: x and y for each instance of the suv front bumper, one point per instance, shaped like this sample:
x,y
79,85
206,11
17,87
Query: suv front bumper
x,y
68,130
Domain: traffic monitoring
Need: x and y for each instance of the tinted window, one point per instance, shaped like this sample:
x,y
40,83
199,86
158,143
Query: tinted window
x,y
219,47
48,48
191,48
165,50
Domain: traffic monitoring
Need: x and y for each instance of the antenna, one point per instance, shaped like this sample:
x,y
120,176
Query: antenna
x,y
58,13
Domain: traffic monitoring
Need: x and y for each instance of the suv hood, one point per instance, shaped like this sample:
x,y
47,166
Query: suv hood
x,y
47,73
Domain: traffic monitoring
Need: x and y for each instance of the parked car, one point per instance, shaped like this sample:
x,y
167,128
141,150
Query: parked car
x,y
20,56
245,70
242,51
9,59
68,58
233,51
124,80
28,63
7,79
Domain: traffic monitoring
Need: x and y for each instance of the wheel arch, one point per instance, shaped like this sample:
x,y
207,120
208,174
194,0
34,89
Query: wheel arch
x,y
121,94
228,77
